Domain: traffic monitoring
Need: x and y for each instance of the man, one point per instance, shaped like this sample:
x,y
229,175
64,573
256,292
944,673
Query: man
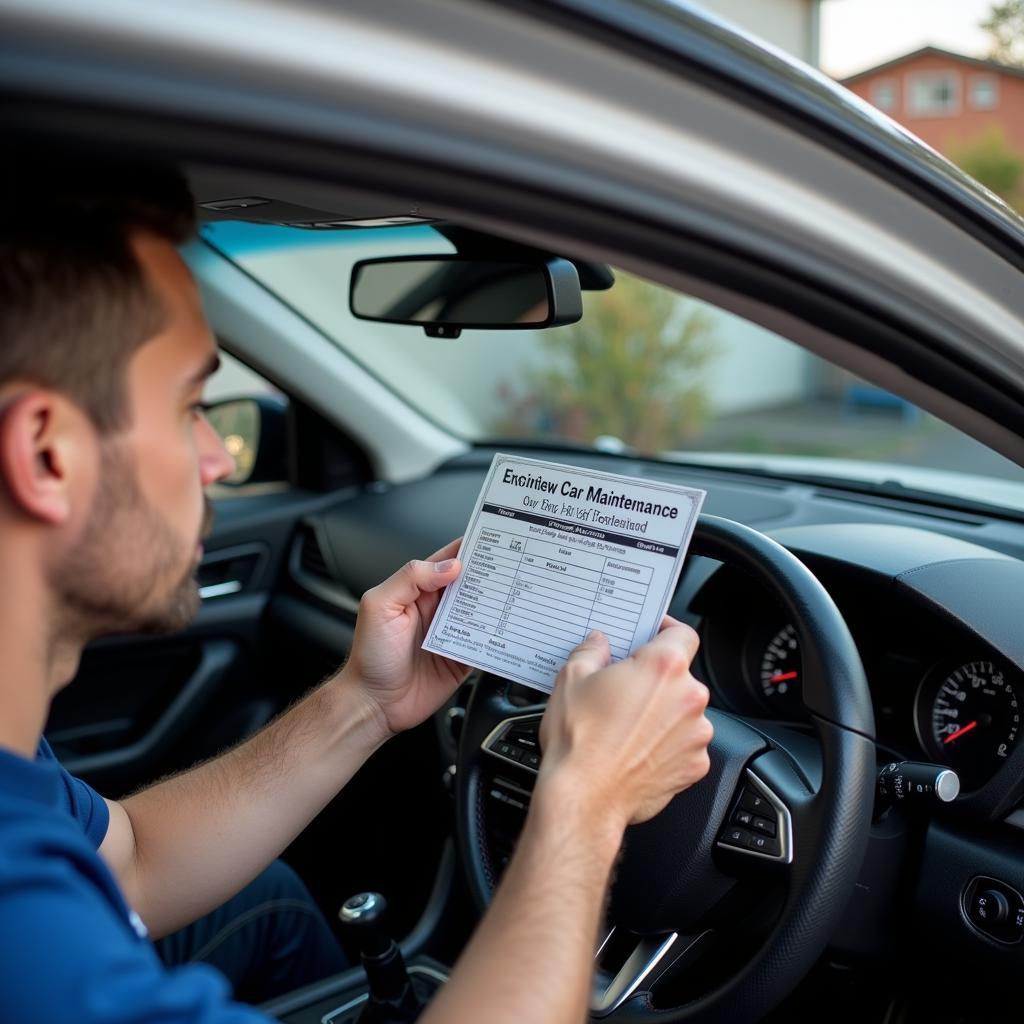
x,y
104,455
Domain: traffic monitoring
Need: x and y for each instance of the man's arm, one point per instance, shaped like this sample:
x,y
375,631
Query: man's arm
x,y
531,959
187,844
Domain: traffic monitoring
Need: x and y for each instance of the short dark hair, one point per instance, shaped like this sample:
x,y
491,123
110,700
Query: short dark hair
x,y
74,301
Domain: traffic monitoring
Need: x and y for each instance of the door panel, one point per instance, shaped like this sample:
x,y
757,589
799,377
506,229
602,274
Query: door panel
x,y
129,726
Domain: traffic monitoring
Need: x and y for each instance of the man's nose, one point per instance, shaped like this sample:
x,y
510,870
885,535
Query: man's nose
x,y
215,461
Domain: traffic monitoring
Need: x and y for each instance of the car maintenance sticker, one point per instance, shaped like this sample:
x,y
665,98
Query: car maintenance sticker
x,y
552,552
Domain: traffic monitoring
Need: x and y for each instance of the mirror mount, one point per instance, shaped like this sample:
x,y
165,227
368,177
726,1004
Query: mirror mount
x,y
441,331
446,294
594,277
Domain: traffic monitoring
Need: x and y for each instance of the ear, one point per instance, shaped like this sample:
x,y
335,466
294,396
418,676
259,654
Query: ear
x,y
43,449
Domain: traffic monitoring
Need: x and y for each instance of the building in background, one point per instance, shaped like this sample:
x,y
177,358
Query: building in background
x,y
945,98
791,25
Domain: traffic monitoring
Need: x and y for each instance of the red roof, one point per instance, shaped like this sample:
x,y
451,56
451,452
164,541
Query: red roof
x,y
935,51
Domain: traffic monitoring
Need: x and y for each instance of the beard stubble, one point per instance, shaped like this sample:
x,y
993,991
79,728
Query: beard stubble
x,y
114,580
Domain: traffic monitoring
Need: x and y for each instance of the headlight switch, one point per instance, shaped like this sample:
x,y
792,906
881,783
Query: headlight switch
x,y
994,908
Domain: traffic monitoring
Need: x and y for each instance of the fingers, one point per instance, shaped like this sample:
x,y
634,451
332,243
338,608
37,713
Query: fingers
x,y
675,645
587,658
415,578
450,550
590,656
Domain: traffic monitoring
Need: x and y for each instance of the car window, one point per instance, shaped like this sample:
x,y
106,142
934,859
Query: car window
x,y
646,370
234,379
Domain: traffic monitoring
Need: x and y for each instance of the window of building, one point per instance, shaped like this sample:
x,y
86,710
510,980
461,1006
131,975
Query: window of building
x,y
984,92
933,94
883,95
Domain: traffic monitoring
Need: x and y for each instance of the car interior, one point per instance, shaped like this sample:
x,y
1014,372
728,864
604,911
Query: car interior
x,y
363,426
616,236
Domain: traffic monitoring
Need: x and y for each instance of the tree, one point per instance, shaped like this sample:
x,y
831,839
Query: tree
x,y
994,163
1005,23
631,370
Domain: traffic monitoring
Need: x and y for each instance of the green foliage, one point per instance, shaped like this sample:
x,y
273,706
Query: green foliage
x,y
992,160
630,370
1005,23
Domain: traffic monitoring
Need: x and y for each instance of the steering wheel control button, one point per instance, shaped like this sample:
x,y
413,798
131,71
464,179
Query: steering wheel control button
x,y
760,823
764,844
516,741
751,800
526,737
995,909
737,837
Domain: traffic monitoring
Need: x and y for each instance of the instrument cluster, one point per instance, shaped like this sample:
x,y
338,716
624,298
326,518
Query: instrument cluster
x,y
937,696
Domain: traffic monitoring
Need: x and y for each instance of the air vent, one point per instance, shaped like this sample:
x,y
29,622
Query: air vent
x,y
311,557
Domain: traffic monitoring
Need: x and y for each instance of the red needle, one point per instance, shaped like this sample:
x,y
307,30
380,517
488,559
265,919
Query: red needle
x,y
964,728
783,677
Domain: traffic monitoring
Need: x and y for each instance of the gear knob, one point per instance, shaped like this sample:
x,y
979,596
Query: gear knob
x,y
363,916
391,998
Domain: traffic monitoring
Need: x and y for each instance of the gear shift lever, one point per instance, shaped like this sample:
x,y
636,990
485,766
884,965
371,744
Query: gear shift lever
x,y
392,999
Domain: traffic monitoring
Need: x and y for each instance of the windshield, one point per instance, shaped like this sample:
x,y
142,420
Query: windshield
x,y
646,370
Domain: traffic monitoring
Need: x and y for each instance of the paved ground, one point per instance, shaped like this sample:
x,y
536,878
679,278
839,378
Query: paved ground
x,y
882,435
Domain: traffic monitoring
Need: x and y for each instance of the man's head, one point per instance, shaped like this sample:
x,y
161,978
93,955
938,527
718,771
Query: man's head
x,y
104,350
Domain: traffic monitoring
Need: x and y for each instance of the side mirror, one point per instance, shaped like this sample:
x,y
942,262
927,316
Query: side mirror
x,y
254,431
448,294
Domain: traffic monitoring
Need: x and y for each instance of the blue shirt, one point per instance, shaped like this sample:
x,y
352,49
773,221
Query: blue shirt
x,y
76,798
70,950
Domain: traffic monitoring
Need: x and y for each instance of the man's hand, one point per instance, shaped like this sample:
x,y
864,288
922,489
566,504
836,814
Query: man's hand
x,y
402,683
623,739
185,845
619,742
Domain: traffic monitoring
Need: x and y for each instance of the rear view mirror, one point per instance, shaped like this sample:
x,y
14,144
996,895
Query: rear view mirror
x,y
447,294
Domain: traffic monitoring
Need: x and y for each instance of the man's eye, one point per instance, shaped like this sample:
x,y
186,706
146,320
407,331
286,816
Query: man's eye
x,y
198,408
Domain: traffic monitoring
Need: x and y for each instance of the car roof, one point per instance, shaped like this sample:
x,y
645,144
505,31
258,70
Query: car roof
x,y
680,36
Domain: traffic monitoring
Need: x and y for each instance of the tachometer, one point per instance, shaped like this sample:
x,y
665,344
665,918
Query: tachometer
x,y
778,672
969,718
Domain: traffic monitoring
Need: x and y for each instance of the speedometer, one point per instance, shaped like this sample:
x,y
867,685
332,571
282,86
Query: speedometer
x,y
969,718
773,668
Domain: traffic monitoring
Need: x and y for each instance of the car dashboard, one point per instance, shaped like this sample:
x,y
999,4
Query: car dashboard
x,y
931,595
942,688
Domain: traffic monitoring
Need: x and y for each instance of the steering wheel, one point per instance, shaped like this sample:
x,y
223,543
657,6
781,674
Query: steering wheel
x,y
793,822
